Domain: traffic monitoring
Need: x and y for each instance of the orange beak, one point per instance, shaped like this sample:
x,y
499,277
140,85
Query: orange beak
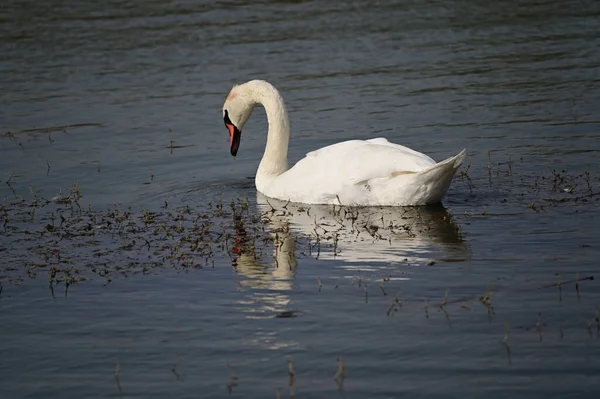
x,y
234,138
234,134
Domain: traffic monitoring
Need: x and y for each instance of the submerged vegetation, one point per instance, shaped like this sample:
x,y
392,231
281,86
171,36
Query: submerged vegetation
x,y
72,244
69,243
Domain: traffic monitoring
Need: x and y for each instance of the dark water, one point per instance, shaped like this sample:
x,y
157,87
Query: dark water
x,y
125,98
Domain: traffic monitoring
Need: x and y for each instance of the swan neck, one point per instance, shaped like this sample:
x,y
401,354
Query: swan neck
x,y
274,161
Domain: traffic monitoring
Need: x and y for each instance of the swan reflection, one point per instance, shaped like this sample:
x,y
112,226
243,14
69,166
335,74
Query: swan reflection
x,y
370,234
358,237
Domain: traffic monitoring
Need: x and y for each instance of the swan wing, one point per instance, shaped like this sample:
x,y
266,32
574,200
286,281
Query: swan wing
x,y
357,161
418,155
345,169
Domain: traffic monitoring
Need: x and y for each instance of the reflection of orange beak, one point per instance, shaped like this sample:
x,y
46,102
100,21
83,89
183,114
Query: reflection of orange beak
x,y
234,138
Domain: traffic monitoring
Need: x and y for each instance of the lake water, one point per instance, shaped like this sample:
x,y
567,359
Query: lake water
x,y
488,295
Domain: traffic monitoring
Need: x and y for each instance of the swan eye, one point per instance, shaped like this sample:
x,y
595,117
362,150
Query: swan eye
x,y
226,119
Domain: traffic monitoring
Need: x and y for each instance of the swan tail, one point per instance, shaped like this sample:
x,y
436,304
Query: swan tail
x,y
452,162
436,179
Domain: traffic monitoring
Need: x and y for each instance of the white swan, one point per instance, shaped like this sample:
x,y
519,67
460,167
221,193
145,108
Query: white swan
x,y
371,172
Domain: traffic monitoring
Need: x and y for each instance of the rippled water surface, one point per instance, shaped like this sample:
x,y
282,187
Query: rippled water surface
x,y
154,284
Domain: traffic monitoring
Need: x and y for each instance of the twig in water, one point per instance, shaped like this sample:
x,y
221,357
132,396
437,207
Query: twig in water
x,y
597,321
174,367
442,306
589,185
445,300
489,167
396,304
505,343
318,237
233,379
273,210
381,286
340,374
320,285
292,386
232,374
117,378
12,174
292,375
486,300
335,244
357,278
291,367
577,280
464,174
559,284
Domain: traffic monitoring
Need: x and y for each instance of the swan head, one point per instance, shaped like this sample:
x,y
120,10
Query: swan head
x,y
236,112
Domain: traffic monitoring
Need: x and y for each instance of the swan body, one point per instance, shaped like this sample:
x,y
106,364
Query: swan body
x,y
371,172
